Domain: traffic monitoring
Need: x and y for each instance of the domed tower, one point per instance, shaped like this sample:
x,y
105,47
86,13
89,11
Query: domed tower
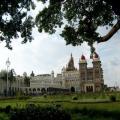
x,y
82,63
70,66
97,72
83,71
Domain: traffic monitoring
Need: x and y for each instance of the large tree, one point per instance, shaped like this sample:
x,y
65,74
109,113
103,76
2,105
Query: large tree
x,y
80,19
11,75
15,21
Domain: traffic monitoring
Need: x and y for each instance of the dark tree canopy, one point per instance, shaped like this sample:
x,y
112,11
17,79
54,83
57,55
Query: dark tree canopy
x,y
81,19
11,75
14,21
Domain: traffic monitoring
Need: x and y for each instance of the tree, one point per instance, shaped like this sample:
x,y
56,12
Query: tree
x,y
81,19
3,75
14,20
11,77
27,81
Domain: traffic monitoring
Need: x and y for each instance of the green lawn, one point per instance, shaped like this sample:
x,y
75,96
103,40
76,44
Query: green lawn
x,y
97,101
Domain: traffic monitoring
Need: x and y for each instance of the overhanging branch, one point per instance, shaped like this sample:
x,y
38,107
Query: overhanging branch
x,y
114,29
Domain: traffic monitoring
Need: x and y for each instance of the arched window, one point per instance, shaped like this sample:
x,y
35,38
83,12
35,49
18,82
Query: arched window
x,y
43,90
38,89
34,89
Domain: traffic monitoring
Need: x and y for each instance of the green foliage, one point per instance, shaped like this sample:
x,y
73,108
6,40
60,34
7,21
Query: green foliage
x,y
8,109
14,20
20,96
4,116
23,97
74,98
113,98
93,114
11,75
27,81
3,75
35,112
80,19
45,95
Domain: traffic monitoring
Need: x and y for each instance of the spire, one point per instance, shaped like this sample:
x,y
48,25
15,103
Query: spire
x,y
32,74
70,64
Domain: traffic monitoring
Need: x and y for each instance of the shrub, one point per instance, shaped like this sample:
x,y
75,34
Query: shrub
x,y
4,116
112,98
58,106
8,109
32,112
23,97
45,95
74,98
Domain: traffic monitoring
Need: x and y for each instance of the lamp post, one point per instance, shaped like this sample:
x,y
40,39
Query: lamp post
x,y
8,65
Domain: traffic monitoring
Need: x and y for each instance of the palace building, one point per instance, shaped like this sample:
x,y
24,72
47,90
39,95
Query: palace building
x,y
81,79
84,79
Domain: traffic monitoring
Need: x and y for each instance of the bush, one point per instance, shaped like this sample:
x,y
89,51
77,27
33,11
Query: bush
x,y
23,97
74,98
58,106
32,112
4,116
8,109
113,98
45,95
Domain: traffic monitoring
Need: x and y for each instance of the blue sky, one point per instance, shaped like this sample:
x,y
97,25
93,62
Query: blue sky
x,y
49,52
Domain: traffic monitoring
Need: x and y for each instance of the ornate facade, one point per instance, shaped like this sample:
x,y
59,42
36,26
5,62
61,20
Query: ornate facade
x,y
83,79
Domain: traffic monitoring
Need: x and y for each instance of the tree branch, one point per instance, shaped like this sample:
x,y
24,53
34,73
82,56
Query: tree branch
x,y
114,29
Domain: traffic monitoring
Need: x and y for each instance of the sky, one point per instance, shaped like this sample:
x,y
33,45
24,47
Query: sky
x,y
49,52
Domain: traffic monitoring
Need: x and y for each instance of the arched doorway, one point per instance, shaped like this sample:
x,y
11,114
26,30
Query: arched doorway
x,y
43,90
89,88
72,89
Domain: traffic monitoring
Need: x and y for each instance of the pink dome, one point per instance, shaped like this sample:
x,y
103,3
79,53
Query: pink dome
x,y
96,55
82,57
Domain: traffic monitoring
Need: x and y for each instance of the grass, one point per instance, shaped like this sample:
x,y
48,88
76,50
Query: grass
x,y
96,101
